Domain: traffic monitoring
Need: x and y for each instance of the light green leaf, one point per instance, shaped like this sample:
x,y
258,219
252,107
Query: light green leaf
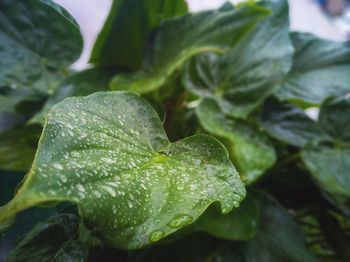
x,y
249,148
52,240
241,78
239,224
179,39
33,36
288,123
79,84
321,69
123,37
329,160
18,146
109,154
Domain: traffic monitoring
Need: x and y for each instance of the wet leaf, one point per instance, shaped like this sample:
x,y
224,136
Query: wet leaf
x,y
109,154
33,35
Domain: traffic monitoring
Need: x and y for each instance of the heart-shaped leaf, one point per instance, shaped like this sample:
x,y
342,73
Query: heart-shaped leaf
x,y
249,148
109,154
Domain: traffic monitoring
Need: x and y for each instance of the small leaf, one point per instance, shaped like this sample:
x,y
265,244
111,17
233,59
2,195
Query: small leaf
x,y
33,35
109,154
249,148
53,240
241,78
179,39
321,69
123,37
289,124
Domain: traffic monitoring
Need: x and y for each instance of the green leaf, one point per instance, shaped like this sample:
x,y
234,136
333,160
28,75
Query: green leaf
x,y
195,248
53,240
288,123
33,36
79,84
241,78
329,160
109,154
249,148
239,224
179,39
18,146
321,69
123,37
279,238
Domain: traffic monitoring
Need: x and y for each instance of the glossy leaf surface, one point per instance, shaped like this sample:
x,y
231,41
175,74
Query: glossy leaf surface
x,y
109,154
33,35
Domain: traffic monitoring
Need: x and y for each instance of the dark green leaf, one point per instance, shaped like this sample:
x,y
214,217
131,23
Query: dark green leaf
x,y
196,248
239,224
179,39
37,46
109,154
249,148
80,84
289,124
241,78
18,146
329,160
279,238
53,240
321,69
123,37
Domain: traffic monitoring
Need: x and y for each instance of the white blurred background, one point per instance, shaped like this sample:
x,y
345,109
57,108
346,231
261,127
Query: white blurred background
x,y
305,15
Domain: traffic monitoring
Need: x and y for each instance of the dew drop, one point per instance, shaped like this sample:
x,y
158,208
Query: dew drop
x,y
180,221
156,235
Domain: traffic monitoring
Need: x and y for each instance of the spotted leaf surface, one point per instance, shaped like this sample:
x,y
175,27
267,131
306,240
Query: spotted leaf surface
x,y
109,154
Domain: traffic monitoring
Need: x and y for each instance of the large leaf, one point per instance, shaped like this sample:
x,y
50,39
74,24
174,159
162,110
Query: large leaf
x,y
329,160
109,154
288,123
249,148
18,146
179,39
52,240
244,76
37,46
123,37
279,238
79,84
321,69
